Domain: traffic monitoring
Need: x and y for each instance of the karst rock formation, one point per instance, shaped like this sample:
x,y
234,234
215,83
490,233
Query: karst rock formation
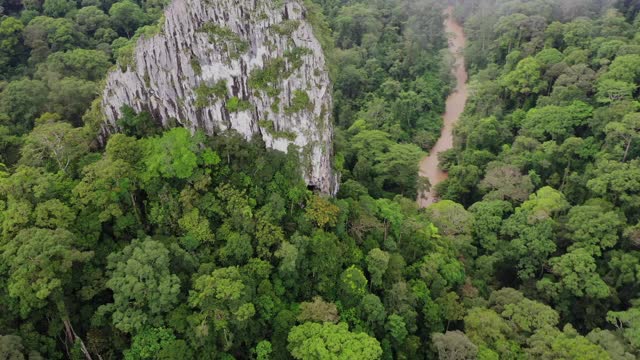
x,y
255,67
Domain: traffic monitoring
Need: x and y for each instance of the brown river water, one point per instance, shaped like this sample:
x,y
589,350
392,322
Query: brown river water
x,y
454,108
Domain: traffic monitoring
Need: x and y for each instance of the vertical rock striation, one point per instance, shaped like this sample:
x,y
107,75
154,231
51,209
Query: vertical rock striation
x,y
245,65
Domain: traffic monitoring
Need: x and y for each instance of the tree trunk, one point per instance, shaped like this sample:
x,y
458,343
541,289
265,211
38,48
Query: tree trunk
x,y
69,333
385,230
134,203
626,151
72,337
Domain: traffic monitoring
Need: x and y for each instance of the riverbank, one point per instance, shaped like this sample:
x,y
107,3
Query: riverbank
x,y
429,166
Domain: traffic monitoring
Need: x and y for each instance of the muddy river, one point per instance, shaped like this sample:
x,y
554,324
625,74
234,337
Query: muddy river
x,y
455,106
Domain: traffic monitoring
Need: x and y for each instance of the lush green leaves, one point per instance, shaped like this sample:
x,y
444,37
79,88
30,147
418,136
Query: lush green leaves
x,y
144,289
311,341
39,265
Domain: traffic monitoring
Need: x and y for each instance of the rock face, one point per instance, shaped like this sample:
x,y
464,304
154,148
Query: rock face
x,y
245,65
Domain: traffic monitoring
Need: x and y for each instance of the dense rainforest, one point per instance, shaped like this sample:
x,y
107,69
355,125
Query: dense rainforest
x,y
167,244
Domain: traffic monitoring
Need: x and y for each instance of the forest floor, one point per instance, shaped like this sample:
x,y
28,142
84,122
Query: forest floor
x,y
429,166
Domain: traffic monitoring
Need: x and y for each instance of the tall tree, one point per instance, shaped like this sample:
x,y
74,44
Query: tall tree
x,y
312,341
144,289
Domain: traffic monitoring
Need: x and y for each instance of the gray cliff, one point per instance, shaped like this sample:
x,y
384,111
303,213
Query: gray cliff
x,y
248,65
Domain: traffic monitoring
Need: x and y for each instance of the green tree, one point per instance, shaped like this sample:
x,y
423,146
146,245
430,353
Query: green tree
x,y
610,90
450,218
555,122
173,155
9,144
526,79
487,329
502,297
108,189
58,8
222,298
460,184
628,322
23,100
377,263
144,289
397,329
617,182
29,190
576,273
441,272
551,343
595,226
353,285
324,257
55,145
237,249
197,229
84,64
126,16
137,124
451,308
532,242
487,133
622,134
625,68
288,255
39,266
529,316
11,348
612,343
398,168
353,23
157,343
263,350
487,221
311,341
510,31
545,203
372,311
44,35
90,19
10,42
54,214
72,97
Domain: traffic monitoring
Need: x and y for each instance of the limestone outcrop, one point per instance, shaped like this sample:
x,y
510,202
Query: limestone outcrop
x,y
255,67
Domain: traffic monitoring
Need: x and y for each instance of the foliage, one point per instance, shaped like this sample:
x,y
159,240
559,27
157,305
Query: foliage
x,y
236,104
126,16
143,287
205,94
169,244
299,102
39,264
228,40
265,79
315,341
321,211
